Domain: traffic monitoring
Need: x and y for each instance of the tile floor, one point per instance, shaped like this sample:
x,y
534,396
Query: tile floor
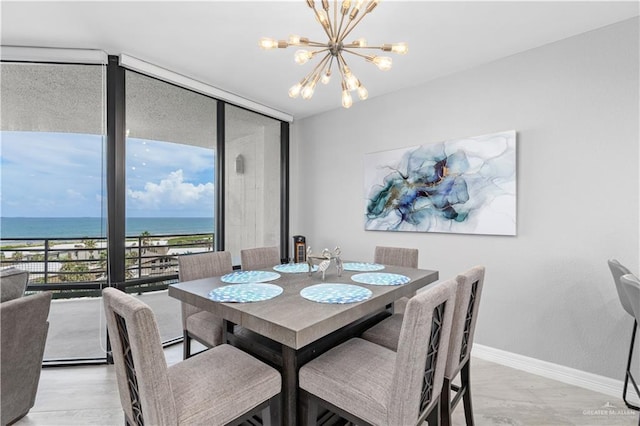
x,y
501,396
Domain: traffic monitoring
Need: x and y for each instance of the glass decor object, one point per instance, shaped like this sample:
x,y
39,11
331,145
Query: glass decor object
x,y
324,260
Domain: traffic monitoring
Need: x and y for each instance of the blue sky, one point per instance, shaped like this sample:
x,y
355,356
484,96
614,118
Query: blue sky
x,y
60,175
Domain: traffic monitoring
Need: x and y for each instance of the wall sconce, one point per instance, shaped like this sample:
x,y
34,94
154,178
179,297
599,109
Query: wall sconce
x,y
240,164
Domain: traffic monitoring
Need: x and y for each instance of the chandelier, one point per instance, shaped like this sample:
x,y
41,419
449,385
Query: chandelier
x,y
345,18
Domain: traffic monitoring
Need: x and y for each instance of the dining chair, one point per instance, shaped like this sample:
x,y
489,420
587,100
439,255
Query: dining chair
x,y
618,271
366,383
198,324
259,258
469,290
221,386
397,256
23,329
13,282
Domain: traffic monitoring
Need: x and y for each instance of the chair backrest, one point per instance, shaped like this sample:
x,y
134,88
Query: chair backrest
x,y
396,256
617,270
631,286
465,316
24,333
13,282
141,368
204,265
422,354
259,258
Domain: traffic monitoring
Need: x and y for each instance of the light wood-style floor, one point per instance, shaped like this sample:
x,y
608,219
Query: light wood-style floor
x,y
88,395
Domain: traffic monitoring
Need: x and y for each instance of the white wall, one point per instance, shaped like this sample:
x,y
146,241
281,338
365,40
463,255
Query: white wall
x,y
574,104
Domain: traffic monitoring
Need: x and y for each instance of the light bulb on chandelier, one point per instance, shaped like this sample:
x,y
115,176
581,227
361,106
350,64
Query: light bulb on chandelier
x,y
346,16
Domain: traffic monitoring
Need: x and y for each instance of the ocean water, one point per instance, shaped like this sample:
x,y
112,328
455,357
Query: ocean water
x,y
95,227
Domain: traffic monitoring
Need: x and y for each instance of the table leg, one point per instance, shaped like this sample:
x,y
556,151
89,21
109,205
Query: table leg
x,y
289,386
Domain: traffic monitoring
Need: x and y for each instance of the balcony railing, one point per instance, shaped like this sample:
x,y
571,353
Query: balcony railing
x,y
71,265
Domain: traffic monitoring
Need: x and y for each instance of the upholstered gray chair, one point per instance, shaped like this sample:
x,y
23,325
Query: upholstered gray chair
x,y
617,270
13,282
387,334
197,324
397,256
223,385
367,383
24,327
631,285
259,258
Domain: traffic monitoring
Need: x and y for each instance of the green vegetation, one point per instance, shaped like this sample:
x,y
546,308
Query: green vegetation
x,y
191,240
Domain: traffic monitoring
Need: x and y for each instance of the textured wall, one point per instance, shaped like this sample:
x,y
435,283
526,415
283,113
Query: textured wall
x,y
574,104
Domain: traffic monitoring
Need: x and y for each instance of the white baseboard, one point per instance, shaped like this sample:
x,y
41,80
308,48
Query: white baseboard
x,y
557,372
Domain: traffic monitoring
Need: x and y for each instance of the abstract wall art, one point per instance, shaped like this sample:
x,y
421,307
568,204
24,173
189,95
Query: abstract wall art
x,y
465,186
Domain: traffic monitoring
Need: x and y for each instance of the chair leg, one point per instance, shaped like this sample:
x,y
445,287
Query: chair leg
x,y
274,410
445,403
186,345
433,418
465,386
628,376
312,410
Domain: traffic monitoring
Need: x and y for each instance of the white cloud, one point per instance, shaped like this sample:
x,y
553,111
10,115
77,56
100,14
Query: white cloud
x,y
171,193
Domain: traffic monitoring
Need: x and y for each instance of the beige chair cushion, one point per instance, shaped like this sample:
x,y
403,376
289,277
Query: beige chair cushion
x,y
379,385
354,376
206,327
211,388
215,386
386,332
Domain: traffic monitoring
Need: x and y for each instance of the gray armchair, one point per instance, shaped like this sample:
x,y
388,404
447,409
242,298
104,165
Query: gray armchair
x,y
13,282
24,327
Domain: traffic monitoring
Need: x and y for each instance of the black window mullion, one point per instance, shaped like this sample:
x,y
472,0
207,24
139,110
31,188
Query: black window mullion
x,y
284,190
220,169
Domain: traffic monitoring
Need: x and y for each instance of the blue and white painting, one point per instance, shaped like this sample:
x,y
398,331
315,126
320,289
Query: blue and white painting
x,y
465,186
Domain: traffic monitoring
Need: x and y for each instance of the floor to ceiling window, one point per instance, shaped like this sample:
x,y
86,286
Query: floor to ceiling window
x,y
97,151
252,181
170,188
53,195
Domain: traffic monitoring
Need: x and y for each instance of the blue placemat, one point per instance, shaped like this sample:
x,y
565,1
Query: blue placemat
x,y
294,268
380,278
242,293
336,293
241,277
362,267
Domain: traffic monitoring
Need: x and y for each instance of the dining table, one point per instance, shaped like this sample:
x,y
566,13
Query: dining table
x,y
288,330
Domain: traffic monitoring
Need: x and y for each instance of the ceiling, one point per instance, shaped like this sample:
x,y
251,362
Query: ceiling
x,y
216,42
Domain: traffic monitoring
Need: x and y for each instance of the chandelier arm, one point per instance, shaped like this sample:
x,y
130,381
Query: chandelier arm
x,y
317,44
356,54
351,25
335,18
322,61
315,11
355,46
340,28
